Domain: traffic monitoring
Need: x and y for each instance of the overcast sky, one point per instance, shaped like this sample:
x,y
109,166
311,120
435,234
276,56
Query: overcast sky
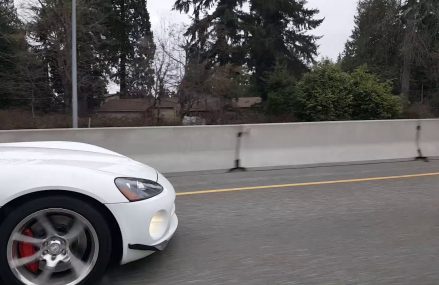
x,y
336,29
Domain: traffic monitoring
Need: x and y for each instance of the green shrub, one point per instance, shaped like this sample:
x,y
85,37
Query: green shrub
x,y
329,94
282,93
325,95
373,100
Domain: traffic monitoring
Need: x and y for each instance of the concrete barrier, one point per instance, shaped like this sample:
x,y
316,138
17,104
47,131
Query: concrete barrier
x,y
328,142
177,149
429,138
169,149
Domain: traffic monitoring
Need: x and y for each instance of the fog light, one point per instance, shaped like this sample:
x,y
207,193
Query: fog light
x,y
159,225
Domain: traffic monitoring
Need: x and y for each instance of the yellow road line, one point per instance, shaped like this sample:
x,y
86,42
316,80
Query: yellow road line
x,y
359,180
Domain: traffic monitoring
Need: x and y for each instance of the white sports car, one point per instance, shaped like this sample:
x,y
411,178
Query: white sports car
x,y
69,209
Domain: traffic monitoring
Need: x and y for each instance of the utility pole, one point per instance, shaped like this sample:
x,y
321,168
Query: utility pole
x,y
74,69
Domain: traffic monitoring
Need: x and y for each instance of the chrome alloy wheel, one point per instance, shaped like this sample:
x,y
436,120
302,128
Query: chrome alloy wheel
x,y
61,248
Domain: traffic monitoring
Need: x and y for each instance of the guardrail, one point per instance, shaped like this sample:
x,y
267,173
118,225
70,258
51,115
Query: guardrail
x,y
177,149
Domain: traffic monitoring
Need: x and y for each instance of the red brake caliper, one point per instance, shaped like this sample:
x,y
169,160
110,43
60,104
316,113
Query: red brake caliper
x,y
26,250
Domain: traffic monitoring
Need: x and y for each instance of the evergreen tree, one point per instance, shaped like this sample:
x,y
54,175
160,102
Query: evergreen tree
x,y
50,29
420,46
216,34
131,47
11,39
269,32
376,39
23,80
398,40
279,33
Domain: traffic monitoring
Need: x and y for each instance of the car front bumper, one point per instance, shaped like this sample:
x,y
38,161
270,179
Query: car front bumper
x,y
146,226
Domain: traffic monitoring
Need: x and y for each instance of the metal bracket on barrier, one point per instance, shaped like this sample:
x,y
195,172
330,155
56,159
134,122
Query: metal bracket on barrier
x,y
418,144
238,166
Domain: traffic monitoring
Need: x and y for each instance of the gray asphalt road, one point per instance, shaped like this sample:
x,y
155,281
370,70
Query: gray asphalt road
x,y
370,232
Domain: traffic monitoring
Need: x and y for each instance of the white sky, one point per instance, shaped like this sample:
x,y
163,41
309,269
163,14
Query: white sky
x,y
336,29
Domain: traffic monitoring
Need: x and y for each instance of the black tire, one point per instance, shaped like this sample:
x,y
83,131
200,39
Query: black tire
x,y
86,210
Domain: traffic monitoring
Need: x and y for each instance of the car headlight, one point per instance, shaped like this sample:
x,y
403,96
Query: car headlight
x,y
135,189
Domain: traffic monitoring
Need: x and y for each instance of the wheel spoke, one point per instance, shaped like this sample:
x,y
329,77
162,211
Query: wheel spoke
x,y
57,232
74,231
77,264
27,239
44,275
47,225
25,260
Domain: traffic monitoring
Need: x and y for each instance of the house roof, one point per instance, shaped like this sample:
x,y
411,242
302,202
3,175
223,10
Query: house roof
x,y
246,102
136,105
170,103
111,95
206,104
126,105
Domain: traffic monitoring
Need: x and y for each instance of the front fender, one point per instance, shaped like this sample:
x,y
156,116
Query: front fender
x,y
17,181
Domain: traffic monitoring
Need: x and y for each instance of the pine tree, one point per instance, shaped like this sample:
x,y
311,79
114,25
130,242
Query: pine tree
x,y
376,39
50,29
132,47
278,34
216,34
420,46
268,33
398,40
11,38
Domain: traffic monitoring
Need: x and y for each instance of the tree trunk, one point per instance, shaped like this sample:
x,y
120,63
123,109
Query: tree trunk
x,y
83,105
405,78
123,52
123,75
407,51
157,105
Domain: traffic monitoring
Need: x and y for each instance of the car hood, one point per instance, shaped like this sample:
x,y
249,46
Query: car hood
x,y
72,154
